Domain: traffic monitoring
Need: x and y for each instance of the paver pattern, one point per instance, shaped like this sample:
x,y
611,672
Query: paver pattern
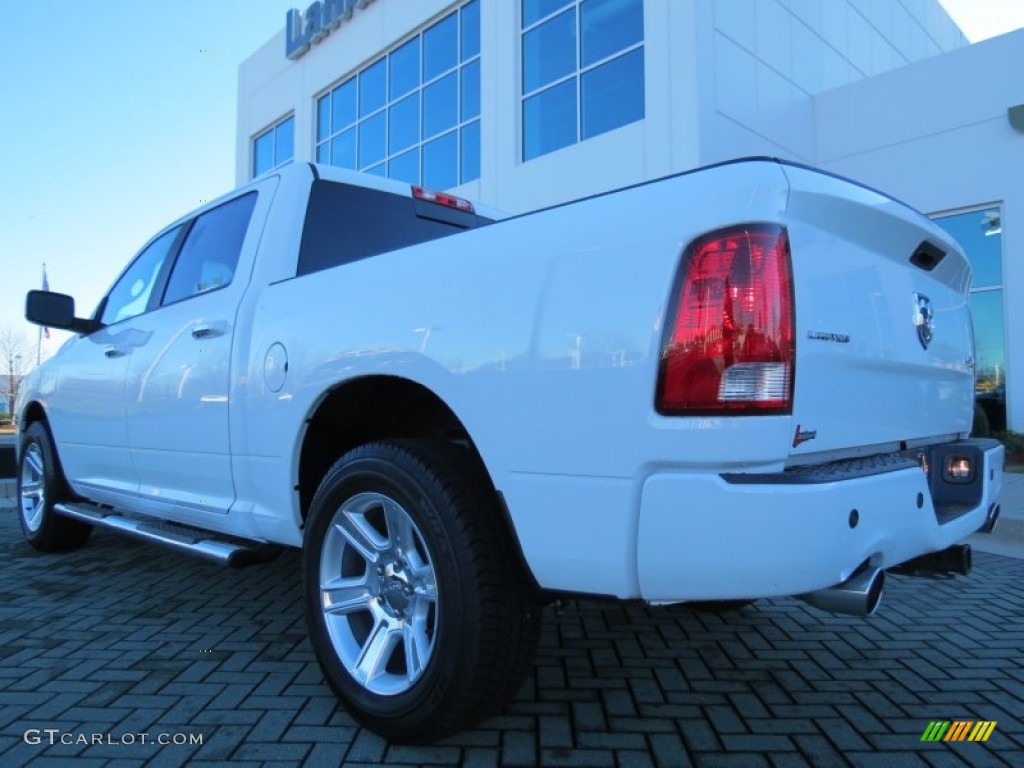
x,y
125,638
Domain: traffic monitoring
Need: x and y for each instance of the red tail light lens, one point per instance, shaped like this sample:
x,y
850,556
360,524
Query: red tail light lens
x,y
442,198
729,338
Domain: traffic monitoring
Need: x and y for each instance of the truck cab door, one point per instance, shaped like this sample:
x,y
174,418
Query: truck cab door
x,y
179,380
88,415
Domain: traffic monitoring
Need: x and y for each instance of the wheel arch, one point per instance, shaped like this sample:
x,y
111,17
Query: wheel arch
x,y
35,412
379,407
32,412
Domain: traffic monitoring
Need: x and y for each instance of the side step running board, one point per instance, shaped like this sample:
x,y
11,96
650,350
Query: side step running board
x,y
236,553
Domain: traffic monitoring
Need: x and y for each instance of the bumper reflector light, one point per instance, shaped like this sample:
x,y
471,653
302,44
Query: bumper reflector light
x,y
959,469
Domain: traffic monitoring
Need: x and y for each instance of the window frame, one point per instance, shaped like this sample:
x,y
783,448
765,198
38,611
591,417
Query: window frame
x,y
156,299
322,101
156,293
577,74
272,130
1000,288
182,241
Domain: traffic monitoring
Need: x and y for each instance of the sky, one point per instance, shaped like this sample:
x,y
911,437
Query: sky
x,y
118,117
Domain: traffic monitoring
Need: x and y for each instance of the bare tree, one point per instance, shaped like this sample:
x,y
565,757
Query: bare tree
x,y
14,362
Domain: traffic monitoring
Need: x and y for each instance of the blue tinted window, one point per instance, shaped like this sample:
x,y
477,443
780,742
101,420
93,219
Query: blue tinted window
x,y
263,153
470,152
441,105
404,74
405,167
284,141
404,123
978,233
613,94
343,105
208,258
130,295
470,29
372,93
441,47
371,140
343,149
440,162
471,90
608,26
535,10
377,118
583,70
323,117
549,51
549,120
989,351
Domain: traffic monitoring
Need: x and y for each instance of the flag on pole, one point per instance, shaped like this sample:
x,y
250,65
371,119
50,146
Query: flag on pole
x,y
46,287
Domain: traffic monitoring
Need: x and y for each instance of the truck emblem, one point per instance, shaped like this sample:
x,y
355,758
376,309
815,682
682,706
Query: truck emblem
x,y
803,435
924,319
838,338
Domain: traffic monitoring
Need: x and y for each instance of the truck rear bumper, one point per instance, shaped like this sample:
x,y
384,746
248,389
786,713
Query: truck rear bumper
x,y
706,537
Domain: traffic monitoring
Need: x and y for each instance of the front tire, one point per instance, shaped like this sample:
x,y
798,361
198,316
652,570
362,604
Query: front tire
x,y
417,613
41,485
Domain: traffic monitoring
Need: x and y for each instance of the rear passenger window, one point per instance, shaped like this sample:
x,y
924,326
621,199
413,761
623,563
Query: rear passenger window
x,y
210,253
346,223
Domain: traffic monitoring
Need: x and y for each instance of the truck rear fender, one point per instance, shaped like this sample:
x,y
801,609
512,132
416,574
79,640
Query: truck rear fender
x,y
372,408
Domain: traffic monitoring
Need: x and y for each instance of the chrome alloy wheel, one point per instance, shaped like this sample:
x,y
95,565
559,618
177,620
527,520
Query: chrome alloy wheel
x,y
378,593
33,487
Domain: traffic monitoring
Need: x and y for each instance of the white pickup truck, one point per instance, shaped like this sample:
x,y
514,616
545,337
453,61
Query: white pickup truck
x,y
746,381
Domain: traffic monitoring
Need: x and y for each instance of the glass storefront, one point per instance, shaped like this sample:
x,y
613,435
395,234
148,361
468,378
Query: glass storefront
x,y
979,233
583,70
274,147
414,113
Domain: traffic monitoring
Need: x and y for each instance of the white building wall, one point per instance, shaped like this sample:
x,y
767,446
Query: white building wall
x,y
667,140
855,86
664,142
271,86
769,57
724,78
936,134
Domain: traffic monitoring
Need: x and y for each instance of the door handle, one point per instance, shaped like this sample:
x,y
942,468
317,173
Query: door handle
x,y
207,330
113,351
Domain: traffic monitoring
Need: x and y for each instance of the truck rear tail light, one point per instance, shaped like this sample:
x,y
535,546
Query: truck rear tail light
x,y
442,198
728,344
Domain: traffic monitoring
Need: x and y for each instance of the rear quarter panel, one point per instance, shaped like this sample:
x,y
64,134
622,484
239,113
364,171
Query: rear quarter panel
x,y
542,333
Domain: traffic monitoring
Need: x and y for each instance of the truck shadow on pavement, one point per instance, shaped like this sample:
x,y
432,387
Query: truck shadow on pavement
x,y
128,638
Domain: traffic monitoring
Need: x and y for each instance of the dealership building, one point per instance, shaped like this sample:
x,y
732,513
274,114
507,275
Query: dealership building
x,y
521,104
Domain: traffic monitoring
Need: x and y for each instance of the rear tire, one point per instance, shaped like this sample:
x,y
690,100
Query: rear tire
x,y
417,612
41,485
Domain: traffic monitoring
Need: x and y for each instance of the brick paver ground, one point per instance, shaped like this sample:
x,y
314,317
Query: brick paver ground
x,y
123,638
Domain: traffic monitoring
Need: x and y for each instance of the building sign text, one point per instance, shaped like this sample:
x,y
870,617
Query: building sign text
x,y
309,28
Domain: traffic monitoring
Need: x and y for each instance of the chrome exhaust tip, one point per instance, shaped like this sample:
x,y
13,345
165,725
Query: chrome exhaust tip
x,y
860,595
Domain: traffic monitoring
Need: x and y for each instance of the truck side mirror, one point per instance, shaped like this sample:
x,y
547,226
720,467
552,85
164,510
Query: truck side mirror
x,y
56,310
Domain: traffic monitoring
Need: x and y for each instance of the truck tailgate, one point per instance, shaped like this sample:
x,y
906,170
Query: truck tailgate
x,y
885,351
